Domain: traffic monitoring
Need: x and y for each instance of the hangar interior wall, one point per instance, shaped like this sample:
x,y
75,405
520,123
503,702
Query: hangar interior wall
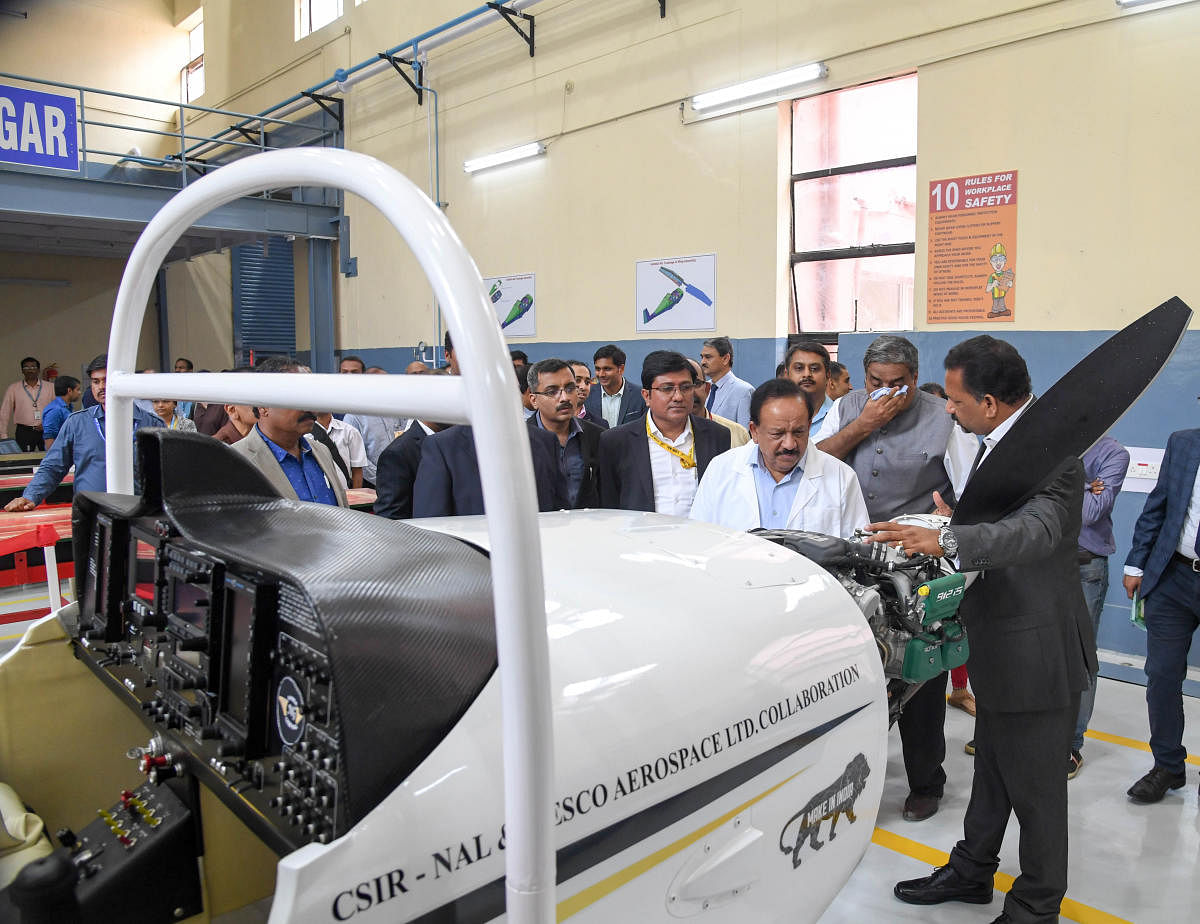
x,y
59,309
1083,100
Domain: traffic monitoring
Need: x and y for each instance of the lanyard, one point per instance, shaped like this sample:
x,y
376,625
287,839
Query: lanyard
x,y
687,460
32,400
99,429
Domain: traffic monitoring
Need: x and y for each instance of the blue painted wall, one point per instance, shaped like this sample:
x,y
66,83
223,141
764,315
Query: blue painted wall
x,y
754,358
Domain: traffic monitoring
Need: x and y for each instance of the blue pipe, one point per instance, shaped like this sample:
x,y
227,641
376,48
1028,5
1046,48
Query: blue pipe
x,y
341,74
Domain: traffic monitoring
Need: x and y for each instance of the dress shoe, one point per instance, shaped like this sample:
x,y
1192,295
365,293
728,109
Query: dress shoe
x,y
1154,785
970,747
962,699
918,808
1074,763
945,885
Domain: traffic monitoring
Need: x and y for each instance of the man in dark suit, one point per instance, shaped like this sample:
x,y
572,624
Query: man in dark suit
x,y
617,400
655,462
1164,568
552,385
448,483
1031,653
396,470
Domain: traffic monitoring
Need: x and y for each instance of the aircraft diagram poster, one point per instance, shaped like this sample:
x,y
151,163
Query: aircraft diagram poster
x,y
676,293
972,249
514,299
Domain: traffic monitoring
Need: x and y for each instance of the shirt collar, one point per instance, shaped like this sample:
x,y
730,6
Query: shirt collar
x,y
278,451
575,426
678,441
757,462
999,433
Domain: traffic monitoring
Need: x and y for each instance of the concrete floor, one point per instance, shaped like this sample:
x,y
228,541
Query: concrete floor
x,y
1129,862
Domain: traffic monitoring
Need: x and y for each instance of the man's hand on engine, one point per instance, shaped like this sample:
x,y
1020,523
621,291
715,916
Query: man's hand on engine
x,y
912,539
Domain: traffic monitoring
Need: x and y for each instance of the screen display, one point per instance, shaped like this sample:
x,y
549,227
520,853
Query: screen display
x,y
190,603
239,609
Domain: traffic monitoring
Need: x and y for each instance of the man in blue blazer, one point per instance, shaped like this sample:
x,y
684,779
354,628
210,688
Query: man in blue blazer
x,y
1164,568
617,400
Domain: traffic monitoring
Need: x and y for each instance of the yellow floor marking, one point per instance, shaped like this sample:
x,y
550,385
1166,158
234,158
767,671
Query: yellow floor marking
x,y
1131,743
9,638
1071,910
599,890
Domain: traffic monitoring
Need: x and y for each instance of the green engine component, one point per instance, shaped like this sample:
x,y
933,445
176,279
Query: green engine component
x,y
942,597
943,646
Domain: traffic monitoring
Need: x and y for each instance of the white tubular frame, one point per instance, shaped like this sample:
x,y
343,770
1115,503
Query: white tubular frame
x,y
483,396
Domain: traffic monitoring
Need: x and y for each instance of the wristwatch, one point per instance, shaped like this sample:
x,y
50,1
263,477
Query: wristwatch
x,y
948,541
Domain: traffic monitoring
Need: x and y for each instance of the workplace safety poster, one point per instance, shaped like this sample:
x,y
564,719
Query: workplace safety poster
x,y
973,260
677,293
514,299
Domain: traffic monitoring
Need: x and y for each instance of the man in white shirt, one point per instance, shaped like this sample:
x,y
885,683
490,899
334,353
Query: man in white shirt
x,y
729,395
349,443
615,401
653,463
781,480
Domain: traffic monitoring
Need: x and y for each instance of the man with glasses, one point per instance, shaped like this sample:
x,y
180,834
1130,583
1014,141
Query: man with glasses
x,y
23,405
654,463
554,390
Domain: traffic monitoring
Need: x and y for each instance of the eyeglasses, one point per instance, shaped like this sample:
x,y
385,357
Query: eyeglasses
x,y
567,390
667,390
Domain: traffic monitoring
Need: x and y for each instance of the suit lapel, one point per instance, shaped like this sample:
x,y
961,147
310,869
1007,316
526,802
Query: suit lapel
x,y
269,465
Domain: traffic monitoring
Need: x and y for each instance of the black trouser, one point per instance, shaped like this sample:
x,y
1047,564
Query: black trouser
x,y
1019,770
30,438
923,738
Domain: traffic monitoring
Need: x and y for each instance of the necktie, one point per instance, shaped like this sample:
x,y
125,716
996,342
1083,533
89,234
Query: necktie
x,y
712,394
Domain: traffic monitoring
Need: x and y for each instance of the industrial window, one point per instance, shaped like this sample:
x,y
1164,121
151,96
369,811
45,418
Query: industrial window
x,y
311,15
193,74
854,191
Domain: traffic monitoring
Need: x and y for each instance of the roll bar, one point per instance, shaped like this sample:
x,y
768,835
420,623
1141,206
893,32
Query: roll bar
x,y
482,396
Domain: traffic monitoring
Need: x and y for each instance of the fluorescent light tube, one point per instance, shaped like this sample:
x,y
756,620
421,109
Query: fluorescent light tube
x,y
533,149
1150,4
760,87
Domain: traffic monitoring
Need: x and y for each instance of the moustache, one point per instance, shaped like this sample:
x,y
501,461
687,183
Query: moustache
x,y
566,405
307,415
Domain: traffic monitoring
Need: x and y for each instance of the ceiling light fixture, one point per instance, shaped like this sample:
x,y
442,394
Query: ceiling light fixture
x,y
761,90
523,152
1148,4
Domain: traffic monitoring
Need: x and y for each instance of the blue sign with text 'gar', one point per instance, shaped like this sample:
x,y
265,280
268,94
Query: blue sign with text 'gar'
x,y
38,129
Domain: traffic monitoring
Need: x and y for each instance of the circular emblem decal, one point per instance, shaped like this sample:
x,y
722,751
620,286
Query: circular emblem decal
x,y
289,711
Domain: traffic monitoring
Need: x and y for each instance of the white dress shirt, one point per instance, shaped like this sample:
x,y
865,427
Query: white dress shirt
x,y
349,443
610,405
674,485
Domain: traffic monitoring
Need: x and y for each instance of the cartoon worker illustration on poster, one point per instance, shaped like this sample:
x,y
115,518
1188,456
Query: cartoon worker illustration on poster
x,y
999,281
